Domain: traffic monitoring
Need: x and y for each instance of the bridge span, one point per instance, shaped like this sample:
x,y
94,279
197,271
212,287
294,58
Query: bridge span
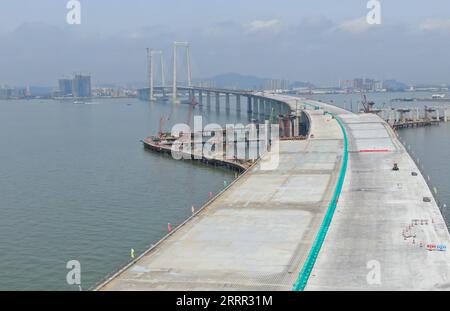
x,y
334,215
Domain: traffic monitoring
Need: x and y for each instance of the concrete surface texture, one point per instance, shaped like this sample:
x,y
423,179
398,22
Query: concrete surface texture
x,y
257,234
380,231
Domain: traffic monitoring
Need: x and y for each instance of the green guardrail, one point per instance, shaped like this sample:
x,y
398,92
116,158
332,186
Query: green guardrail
x,y
305,273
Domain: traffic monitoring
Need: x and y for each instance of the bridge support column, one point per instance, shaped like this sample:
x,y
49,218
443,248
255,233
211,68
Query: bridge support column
x,y
208,100
438,118
200,98
287,125
281,109
281,125
238,103
249,104
255,105
275,111
296,126
261,108
217,102
267,109
427,115
227,102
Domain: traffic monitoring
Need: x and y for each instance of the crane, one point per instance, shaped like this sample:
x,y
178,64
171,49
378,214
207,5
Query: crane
x,y
368,105
191,109
162,121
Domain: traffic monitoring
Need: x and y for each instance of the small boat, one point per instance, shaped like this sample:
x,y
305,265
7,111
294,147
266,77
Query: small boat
x,y
438,96
78,102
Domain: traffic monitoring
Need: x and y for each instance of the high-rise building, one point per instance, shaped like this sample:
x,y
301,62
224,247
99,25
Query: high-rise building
x,y
276,84
81,86
65,87
369,84
358,83
12,93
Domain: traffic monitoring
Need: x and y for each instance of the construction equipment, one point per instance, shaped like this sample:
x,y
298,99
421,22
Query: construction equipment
x,y
191,109
162,121
368,105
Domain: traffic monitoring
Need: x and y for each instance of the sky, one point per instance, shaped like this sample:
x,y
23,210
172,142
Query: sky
x,y
317,41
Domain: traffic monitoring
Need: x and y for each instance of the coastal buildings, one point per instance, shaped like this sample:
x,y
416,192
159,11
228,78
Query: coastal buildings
x,y
12,93
276,84
65,87
81,86
78,86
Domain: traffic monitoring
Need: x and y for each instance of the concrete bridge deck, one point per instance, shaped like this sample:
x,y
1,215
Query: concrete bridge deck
x,y
257,234
376,206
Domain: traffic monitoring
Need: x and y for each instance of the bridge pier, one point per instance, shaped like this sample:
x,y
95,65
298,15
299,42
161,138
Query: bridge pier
x,y
256,107
238,103
217,102
227,102
281,125
208,100
287,125
200,99
296,126
249,104
267,109
261,108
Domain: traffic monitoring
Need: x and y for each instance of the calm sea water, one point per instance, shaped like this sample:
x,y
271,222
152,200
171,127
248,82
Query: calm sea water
x,y
77,184
431,145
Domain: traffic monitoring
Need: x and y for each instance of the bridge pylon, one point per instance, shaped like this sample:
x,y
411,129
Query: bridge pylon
x,y
185,45
150,57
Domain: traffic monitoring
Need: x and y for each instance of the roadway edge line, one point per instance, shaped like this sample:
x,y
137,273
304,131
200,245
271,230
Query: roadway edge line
x,y
305,273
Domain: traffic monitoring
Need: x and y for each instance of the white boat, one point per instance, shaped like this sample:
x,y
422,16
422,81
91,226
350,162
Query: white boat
x,y
438,96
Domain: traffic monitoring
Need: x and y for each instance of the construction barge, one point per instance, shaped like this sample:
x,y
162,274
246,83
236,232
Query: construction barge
x,y
412,123
163,144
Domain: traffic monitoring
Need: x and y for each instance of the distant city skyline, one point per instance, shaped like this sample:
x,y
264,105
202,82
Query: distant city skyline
x,y
321,41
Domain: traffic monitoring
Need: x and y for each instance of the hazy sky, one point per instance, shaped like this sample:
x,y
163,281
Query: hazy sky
x,y
315,40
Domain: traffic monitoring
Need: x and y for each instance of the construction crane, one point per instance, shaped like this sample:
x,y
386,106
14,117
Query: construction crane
x,y
162,121
368,105
191,109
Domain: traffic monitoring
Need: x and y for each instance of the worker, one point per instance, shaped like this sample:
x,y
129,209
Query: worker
x,y
395,168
